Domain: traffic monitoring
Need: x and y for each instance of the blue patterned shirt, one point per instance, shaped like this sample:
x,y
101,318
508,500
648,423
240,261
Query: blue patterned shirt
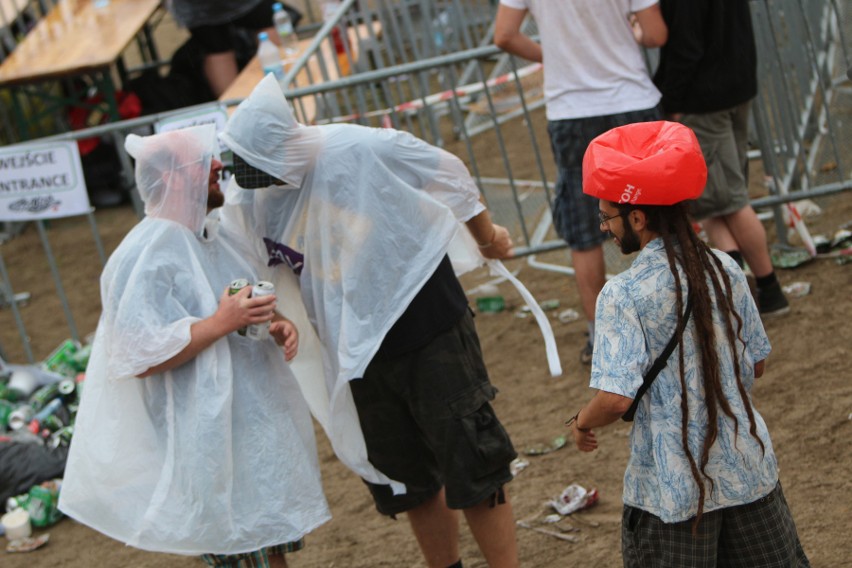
x,y
635,319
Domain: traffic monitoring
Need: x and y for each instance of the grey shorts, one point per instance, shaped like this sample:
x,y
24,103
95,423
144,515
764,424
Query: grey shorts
x,y
761,533
428,423
575,214
723,137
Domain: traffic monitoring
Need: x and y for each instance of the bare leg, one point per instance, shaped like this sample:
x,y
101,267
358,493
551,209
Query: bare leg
x,y
436,528
750,237
719,234
494,531
590,273
277,561
220,70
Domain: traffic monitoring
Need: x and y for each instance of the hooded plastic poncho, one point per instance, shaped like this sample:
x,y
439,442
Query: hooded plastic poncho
x,y
216,455
365,219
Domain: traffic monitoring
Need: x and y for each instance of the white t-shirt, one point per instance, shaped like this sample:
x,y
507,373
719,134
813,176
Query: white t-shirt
x,y
592,64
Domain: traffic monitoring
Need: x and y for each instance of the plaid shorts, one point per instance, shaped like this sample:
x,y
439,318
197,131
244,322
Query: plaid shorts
x,y
256,559
428,423
761,533
575,214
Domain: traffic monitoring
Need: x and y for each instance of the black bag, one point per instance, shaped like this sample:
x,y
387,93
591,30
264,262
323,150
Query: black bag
x,y
658,365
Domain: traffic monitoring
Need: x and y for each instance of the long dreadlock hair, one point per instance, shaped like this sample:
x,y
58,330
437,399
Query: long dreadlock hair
x,y
684,247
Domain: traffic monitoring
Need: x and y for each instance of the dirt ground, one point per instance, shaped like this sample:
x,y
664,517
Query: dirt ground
x,y
805,397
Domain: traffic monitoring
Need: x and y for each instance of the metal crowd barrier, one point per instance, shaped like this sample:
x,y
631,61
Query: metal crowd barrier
x,y
802,63
438,96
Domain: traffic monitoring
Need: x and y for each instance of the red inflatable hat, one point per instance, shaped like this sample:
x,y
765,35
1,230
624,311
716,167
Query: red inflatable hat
x,y
647,163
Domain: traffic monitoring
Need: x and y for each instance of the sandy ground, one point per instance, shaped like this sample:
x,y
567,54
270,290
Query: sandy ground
x,y
805,397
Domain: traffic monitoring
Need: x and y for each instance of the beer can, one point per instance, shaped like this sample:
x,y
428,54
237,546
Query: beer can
x,y
235,287
260,331
40,398
6,409
61,360
42,505
62,437
67,386
17,502
20,417
10,394
80,360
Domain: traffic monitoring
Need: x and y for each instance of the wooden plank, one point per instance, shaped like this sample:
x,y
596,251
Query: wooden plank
x,y
76,37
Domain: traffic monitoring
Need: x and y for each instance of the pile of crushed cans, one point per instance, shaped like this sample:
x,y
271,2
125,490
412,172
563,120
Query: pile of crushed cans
x,y
38,404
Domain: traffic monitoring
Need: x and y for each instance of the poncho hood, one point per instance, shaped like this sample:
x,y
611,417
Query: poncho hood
x,y
264,132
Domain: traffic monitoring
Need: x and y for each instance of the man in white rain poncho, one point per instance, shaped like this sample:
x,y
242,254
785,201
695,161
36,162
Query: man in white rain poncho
x,y
212,452
366,217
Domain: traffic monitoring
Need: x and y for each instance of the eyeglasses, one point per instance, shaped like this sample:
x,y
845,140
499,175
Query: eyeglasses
x,y
604,218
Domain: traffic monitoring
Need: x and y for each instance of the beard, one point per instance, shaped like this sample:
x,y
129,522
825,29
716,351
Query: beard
x,y
629,241
215,198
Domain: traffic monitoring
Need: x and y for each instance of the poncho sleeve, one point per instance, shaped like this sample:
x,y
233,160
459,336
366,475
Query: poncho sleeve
x,y
148,302
437,172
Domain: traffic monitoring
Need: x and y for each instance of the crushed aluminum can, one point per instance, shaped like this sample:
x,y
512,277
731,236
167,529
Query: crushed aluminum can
x,y
789,258
842,239
822,244
557,443
797,289
518,465
490,304
569,315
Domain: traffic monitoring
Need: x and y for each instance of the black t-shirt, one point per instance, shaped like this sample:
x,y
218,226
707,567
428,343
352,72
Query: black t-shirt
x,y
435,309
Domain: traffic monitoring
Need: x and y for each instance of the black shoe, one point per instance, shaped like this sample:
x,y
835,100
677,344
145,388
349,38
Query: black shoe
x,y
586,353
771,301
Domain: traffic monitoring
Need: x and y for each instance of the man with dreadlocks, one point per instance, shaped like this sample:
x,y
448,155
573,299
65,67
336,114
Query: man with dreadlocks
x,y
701,487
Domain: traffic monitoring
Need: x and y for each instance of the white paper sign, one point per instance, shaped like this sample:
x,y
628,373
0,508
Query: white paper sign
x,y
216,116
42,181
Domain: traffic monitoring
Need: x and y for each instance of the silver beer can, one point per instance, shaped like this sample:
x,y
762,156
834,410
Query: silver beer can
x,y
260,331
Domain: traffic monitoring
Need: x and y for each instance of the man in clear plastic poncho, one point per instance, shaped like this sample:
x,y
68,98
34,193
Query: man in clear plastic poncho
x,y
190,439
365,218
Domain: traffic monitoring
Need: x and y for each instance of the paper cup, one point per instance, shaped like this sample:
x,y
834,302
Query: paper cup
x,y
17,524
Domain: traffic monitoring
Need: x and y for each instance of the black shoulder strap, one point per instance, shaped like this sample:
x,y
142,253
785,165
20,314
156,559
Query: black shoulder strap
x,y
658,365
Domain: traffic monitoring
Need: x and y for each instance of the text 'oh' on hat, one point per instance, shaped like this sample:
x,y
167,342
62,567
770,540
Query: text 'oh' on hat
x,y
646,163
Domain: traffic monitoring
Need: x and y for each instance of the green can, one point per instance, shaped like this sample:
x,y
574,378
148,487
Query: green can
x,y
62,437
235,287
12,395
491,304
6,409
62,359
42,396
80,359
42,505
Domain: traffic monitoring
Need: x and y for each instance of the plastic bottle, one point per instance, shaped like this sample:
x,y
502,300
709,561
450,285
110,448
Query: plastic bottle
x,y
269,56
284,27
338,36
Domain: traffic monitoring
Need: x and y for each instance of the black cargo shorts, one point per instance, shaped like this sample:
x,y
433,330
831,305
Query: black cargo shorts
x,y
428,423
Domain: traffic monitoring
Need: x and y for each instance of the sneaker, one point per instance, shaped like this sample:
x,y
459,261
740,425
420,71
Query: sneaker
x,y
586,353
771,301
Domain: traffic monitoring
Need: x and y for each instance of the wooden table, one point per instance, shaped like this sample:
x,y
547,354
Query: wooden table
x,y
75,39
311,74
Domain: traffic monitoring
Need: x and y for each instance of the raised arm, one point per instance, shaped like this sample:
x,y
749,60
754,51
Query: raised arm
x,y
508,36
